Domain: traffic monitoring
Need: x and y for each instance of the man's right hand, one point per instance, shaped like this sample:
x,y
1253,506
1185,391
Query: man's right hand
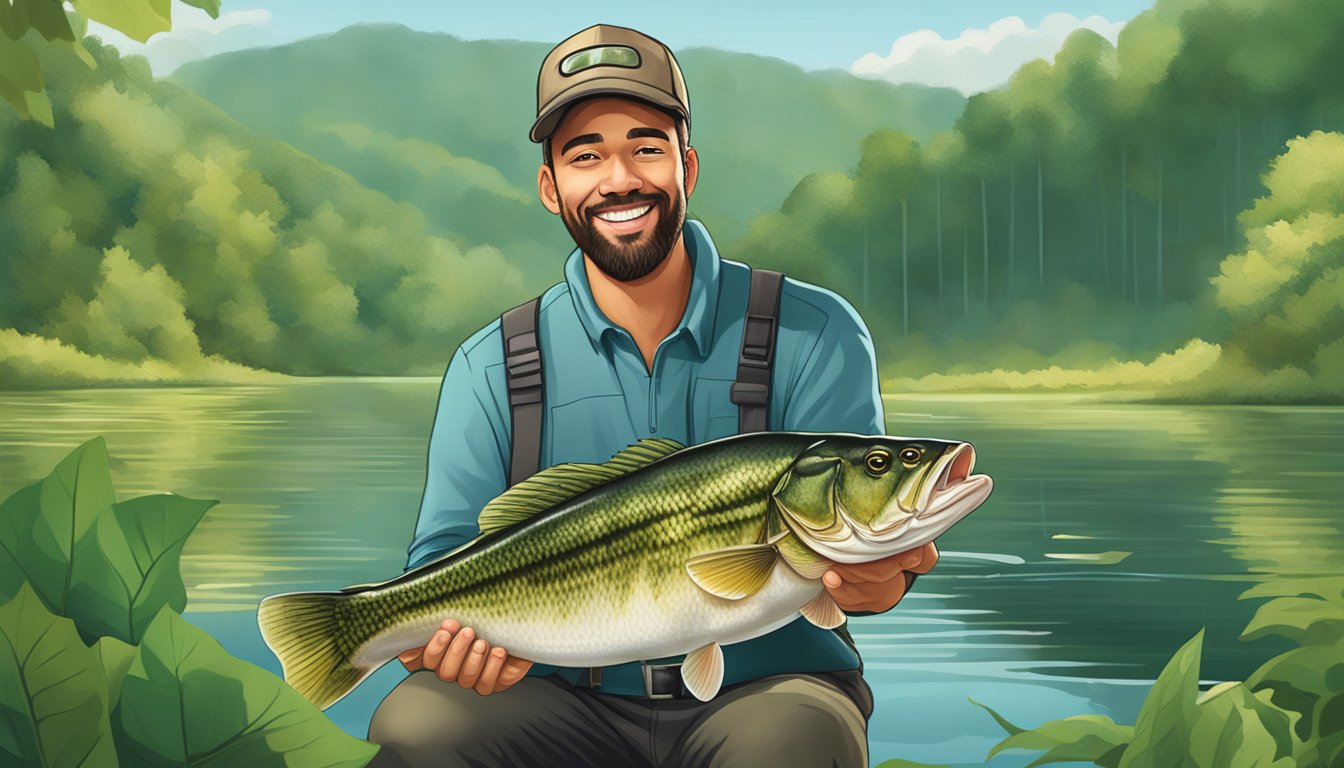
x,y
457,655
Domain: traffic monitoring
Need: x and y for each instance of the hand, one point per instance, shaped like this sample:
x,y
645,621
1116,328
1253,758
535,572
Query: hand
x,y
457,655
879,585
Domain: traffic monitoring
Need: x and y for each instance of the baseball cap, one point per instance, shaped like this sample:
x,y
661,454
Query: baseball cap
x,y
605,60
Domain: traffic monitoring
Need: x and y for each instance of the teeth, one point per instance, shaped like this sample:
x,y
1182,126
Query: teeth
x,y
626,215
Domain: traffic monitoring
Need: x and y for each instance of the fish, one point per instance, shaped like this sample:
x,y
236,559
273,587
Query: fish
x,y
662,551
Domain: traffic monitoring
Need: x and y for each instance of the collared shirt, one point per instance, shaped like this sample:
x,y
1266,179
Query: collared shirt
x,y
600,397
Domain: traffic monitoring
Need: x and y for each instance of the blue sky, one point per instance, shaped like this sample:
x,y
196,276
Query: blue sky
x,y
971,45
814,35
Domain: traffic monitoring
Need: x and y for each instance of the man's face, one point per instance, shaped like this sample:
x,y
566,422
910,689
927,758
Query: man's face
x,y
619,183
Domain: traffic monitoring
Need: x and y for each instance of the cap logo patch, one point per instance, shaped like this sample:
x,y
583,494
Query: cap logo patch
x,y
601,56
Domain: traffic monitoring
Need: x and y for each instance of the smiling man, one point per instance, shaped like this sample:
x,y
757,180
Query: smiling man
x,y
651,334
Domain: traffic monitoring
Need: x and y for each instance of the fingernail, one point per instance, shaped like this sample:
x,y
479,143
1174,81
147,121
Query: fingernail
x,y
478,647
499,653
468,632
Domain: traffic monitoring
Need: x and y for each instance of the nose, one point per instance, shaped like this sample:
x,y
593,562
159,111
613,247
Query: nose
x,y
620,178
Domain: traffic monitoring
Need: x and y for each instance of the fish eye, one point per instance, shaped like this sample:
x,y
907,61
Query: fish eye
x,y
910,455
877,461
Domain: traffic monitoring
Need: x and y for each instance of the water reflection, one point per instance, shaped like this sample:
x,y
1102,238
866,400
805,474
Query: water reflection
x,y
1114,533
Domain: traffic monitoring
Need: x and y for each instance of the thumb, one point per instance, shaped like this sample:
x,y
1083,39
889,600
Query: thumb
x,y
412,659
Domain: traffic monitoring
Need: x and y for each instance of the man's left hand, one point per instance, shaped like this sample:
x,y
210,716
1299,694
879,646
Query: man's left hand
x,y
879,585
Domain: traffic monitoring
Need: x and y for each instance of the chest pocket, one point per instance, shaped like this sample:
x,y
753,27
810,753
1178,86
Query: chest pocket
x,y
586,429
713,414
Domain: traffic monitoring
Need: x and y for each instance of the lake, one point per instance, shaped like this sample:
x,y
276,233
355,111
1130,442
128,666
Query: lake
x,y
1114,534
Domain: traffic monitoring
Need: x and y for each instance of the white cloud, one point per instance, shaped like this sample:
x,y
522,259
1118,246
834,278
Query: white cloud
x,y
194,36
978,59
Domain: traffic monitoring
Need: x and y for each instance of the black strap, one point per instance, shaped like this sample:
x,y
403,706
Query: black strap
x,y
751,391
522,371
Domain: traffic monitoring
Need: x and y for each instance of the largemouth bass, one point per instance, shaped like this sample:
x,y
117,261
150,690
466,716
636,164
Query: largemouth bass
x,y
663,550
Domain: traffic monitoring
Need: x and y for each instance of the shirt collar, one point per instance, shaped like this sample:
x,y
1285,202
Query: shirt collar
x,y
701,306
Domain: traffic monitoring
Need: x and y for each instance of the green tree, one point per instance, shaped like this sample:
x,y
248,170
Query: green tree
x,y
25,24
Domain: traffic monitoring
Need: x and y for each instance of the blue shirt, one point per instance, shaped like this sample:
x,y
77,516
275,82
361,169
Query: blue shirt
x,y
600,397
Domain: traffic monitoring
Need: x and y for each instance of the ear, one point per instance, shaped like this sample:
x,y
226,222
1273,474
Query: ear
x,y
692,163
546,190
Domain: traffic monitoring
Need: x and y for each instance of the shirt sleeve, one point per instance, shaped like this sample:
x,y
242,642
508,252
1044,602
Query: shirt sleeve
x,y
466,465
836,389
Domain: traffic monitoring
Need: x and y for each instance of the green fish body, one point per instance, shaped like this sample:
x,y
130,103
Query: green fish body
x,y
661,551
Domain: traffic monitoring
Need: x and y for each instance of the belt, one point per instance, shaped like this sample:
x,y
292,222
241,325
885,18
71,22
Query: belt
x,y
661,681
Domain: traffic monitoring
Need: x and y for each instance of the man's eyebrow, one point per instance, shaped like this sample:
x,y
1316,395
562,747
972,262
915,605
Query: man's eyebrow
x,y
587,138
647,133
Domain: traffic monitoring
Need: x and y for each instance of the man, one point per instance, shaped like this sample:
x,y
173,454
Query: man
x,y
642,339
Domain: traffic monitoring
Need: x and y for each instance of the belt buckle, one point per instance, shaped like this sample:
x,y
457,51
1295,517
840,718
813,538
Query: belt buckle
x,y
647,670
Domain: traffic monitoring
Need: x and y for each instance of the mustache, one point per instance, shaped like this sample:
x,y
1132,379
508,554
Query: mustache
x,y
658,198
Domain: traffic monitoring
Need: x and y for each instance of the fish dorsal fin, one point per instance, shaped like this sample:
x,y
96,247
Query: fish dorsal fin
x,y
562,482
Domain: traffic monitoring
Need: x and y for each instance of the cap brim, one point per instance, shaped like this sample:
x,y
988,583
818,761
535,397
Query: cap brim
x,y
554,111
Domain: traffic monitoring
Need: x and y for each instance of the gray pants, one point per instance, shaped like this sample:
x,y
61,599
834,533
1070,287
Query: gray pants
x,y
786,720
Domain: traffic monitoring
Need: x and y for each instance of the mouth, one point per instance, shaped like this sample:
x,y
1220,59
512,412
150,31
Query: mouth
x,y
624,218
954,485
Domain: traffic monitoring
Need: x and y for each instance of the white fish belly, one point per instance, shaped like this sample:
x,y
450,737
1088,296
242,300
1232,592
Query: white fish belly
x,y
642,623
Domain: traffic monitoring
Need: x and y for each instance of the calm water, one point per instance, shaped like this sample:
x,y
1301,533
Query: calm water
x,y
1115,532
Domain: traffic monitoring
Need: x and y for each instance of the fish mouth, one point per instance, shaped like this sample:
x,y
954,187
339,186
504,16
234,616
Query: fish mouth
x,y
954,487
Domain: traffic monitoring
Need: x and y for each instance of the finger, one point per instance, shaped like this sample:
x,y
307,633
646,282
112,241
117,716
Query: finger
x,y
457,652
873,572
438,643
928,557
869,597
412,658
515,669
494,663
473,664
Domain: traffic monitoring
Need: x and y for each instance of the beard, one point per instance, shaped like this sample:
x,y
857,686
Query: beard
x,y
628,259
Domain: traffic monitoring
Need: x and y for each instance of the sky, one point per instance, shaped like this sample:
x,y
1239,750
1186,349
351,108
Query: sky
x,y
967,44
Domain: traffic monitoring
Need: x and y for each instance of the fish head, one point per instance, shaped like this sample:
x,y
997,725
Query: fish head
x,y
855,498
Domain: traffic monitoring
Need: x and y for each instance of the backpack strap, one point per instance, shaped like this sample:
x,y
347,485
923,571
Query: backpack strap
x,y
751,391
523,373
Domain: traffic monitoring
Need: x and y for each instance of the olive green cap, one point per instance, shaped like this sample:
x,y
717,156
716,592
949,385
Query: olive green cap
x,y
604,60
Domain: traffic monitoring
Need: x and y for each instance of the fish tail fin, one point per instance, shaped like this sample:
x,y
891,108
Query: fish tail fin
x,y
306,632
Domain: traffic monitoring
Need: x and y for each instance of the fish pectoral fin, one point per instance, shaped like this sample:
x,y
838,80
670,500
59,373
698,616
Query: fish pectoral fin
x,y
822,611
702,671
735,572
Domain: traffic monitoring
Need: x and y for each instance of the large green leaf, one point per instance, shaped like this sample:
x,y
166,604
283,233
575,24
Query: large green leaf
x,y
53,697
137,19
1325,587
1091,738
209,6
47,17
1310,682
126,566
40,528
185,701
17,514
1306,620
115,658
1162,733
1240,729
20,73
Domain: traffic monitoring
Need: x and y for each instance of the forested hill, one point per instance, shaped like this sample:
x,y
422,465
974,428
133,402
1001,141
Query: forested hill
x,y
150,237
442,122
1175,199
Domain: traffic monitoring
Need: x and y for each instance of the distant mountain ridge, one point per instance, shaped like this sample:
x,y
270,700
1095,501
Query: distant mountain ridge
x,y
379,100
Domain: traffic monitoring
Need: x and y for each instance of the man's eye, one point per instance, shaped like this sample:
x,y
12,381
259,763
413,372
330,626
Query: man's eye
x,y
649,150
583,156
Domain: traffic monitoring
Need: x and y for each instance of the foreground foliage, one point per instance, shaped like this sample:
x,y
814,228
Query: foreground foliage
x,y
97,667
1288,714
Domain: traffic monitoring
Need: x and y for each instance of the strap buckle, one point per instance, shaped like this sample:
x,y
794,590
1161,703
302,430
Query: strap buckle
x,y
661,681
